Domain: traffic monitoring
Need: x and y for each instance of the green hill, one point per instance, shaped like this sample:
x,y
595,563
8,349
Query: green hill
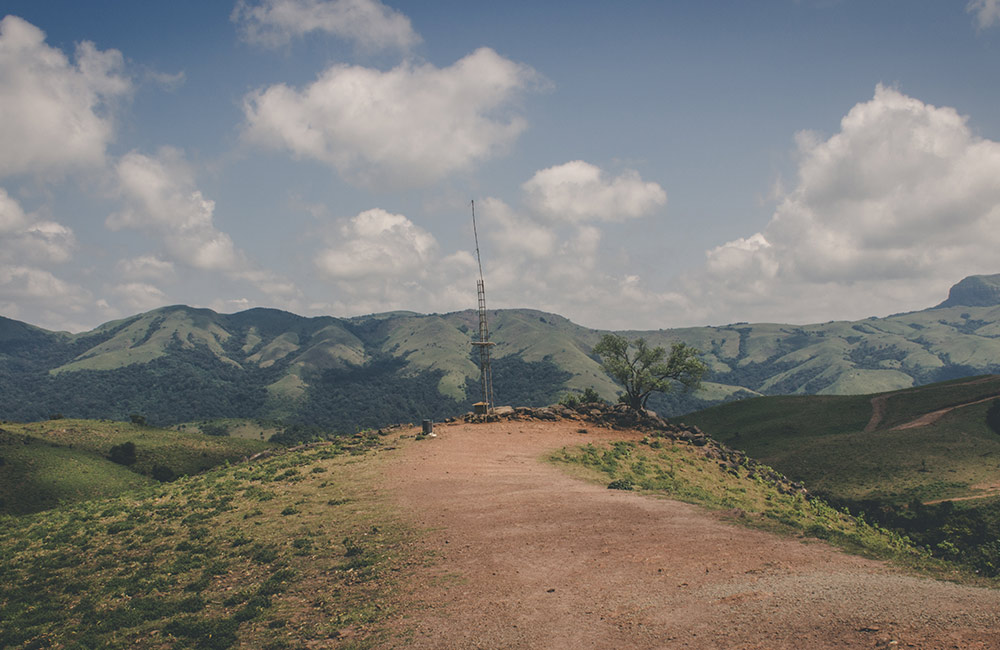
x,y
50,463
871,446
179,364
924,460
287,550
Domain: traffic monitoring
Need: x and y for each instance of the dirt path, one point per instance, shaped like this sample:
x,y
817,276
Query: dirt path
x,y
878,412
987,491
934,416
528,557
879,407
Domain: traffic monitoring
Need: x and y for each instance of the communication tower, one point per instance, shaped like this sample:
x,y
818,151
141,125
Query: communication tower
x,y
484,344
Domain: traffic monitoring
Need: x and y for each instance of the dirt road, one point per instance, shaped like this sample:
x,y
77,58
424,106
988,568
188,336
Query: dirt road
x,y
525,556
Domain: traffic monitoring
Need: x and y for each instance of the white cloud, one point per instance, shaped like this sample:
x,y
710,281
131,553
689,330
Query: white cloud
x,y
378,244
27,246
987,12
55,113
27,239
12,217
515,233
409,126
382,261
145,267
36,293
161,197
898,205
579,191
47,241
368,23
139,296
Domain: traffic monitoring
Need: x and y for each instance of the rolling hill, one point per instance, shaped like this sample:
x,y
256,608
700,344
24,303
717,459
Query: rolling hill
x,y
58,462
179,363
924,461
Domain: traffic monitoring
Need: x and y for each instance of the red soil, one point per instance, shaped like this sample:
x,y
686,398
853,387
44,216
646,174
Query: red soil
x,y
525,556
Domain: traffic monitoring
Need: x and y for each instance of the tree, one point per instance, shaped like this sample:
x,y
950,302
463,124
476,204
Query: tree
x,y
123,454
993,416
641,370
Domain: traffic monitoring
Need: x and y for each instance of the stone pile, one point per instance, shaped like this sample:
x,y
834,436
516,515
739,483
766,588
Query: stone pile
x,y
621,416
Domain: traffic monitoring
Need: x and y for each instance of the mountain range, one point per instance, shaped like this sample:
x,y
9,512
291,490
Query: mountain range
x,y
177,364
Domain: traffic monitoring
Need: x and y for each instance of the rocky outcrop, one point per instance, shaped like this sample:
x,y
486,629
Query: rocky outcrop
x,y
974,291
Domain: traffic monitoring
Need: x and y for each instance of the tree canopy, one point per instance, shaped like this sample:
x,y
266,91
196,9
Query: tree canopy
x,y
642,370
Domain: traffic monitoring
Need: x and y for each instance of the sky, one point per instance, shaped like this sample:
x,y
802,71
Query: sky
x,y
634,165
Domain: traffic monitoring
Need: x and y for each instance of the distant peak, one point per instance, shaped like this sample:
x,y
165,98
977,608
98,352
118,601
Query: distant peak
x,y
974,291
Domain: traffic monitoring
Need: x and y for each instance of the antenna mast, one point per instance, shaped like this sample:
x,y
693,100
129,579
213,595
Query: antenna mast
x,y
484,344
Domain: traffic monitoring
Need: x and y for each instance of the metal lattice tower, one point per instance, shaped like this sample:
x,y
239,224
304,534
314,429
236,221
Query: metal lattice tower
x,y
484,344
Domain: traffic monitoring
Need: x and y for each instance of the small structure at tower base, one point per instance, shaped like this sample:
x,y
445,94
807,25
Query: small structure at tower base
x,y
481,408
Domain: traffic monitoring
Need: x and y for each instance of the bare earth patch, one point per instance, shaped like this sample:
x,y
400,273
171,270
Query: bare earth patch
x,y
525,556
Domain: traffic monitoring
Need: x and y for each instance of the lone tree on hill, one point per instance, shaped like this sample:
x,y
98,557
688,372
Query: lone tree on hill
x,y
641,370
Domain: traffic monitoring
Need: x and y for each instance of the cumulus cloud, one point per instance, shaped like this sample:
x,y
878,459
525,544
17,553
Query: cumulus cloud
x,y
55,113
558,266
517,233
161,197
139,296
408,126
31,292
903,201
381,261
380,244
987,12
28,246
580,191
368,23
145,267
28,239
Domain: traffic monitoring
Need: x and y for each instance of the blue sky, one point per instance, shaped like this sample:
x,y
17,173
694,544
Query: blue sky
x,y
634,165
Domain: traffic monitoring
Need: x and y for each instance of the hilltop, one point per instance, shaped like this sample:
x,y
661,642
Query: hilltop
x,y
178,364
482,536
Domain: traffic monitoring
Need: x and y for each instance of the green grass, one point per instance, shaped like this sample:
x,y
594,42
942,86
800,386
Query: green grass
x,y
902,405
246,428
751,494
36,476
821,441
61,461
264,555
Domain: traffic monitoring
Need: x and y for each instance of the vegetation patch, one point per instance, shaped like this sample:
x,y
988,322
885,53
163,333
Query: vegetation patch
x,y
681,471
60,461
892,466
205,562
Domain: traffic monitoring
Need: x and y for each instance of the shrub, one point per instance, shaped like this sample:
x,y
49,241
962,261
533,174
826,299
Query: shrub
x,y
621,484
163,473
123,454
993,416
218,430
570,400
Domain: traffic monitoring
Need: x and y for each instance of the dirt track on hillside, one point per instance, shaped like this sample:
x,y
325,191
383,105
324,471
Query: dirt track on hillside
x,y
879,408
528,557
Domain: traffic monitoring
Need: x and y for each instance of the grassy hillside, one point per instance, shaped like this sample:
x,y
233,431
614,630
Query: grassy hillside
x,y
265,555
55,462
753,494
826,441
178,363
923,461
